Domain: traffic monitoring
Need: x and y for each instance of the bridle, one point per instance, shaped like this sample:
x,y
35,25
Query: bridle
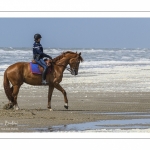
x,y
71,70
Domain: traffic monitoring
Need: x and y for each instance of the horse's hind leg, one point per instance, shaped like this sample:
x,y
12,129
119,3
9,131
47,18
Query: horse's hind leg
x,y
11,102
15,94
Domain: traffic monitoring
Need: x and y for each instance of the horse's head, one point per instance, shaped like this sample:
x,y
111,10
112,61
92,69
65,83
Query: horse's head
x,y
74,64
71,58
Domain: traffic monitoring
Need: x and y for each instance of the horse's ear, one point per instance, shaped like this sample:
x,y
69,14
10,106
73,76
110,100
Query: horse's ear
x,y
79,53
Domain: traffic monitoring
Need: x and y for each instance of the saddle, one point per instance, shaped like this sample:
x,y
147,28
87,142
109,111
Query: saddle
x,y
37,69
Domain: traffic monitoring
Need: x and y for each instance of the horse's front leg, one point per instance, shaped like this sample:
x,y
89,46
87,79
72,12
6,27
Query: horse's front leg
x,y
51,88
58,87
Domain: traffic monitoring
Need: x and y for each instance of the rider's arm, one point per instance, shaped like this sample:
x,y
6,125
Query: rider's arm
x,y
45,55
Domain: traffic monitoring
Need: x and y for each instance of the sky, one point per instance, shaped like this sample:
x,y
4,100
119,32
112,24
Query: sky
x,y
76,32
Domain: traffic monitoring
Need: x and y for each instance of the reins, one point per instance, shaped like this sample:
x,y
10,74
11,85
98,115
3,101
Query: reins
x,y
68,69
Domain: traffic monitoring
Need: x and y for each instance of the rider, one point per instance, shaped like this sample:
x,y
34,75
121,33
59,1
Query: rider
x,y
38,56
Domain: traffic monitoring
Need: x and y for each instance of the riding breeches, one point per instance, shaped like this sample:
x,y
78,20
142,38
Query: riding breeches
x,y
42,63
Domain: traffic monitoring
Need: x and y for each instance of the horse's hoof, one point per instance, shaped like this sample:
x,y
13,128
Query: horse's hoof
x,y
66,106
16,108
50,109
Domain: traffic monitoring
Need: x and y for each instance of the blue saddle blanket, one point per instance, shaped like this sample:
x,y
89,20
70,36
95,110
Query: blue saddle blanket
x,y
34,68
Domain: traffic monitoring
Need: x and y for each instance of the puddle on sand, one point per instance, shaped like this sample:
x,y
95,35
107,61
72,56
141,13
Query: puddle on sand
x,y
103,124
123,113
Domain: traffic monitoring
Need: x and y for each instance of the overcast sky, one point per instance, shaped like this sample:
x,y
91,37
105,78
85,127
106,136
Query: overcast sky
x,y
76,32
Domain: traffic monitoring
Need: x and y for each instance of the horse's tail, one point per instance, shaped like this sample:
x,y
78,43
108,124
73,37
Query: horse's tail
x,y
8,90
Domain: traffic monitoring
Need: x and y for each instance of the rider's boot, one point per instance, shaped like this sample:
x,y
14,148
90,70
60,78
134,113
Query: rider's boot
x,y
44,77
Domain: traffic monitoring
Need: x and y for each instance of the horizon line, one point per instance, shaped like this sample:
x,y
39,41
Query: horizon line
x,y
11,47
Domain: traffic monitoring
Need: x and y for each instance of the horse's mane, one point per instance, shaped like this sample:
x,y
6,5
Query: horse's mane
x,y
63,54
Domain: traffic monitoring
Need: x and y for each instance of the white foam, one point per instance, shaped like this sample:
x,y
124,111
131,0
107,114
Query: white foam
x,y
4,66
1,82
120,130
99,63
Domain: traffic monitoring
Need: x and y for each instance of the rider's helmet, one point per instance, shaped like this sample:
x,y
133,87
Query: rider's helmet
x,y
37,36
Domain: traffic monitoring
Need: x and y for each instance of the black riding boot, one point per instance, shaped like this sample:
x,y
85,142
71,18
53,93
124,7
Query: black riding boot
x,y
44,77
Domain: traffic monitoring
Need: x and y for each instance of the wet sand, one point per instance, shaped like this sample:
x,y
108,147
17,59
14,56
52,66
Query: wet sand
x,y
83,107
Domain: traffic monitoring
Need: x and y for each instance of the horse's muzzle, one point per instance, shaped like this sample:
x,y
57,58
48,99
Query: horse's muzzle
x,y
74,72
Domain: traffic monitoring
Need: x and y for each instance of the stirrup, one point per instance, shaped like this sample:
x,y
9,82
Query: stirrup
x,y
44,82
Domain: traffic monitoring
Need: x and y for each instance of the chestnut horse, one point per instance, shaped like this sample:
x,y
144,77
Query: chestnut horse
x,y
20,73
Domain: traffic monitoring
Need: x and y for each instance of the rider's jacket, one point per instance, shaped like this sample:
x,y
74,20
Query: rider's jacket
x,y
38,51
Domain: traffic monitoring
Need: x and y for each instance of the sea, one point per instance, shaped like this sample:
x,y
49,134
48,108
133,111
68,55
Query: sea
x,y
109,68
93,58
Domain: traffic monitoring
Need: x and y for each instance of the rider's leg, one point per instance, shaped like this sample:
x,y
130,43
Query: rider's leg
x,y
44,72
42,63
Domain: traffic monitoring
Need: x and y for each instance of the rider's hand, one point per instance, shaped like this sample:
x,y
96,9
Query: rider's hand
x,y
50,57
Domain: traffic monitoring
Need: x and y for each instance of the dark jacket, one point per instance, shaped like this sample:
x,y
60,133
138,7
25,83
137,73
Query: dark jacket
x,y
38,52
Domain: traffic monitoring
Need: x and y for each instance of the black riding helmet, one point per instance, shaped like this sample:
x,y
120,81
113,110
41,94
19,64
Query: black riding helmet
x,y
37,36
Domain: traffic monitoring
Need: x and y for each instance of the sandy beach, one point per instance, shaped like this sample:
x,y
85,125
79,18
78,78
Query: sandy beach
x,y
108,95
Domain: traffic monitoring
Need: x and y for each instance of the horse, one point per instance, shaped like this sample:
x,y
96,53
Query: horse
x,y
20,73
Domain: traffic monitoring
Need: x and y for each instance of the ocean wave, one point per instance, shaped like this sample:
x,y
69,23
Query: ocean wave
x,y
93,58
98,63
